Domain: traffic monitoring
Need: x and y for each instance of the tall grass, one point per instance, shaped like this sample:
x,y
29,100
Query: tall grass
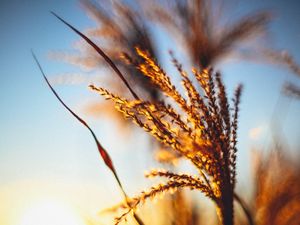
x,y
206,134
200,127
203,132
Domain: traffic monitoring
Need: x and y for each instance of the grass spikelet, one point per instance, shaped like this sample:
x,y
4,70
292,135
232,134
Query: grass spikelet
x,y
158,190
158,76
233,151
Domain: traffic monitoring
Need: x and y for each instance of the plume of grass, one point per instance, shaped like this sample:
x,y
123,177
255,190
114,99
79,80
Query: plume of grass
x,y
197,26
103,153
205,133
162,132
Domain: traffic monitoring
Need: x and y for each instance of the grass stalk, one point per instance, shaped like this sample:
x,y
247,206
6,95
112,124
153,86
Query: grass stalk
x,y
104,154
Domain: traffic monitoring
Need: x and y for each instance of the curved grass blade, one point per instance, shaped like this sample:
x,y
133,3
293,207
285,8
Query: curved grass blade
x,y
104,154
106,58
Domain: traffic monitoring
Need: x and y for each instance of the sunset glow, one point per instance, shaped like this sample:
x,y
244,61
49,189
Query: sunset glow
x,y
50,212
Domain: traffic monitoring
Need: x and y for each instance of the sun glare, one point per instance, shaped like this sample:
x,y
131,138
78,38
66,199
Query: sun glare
x,y
50,212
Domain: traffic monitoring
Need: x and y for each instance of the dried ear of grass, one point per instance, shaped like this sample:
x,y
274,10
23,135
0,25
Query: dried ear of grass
x,y
203,136
196,25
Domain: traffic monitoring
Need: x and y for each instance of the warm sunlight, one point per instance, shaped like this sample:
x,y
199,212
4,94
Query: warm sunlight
x,y
50,212
150,112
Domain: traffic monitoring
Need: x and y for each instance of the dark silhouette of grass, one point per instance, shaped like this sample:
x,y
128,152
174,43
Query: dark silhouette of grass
x,y
198,27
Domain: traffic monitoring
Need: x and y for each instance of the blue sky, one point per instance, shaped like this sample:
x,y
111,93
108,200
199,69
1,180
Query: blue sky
x,y
40,140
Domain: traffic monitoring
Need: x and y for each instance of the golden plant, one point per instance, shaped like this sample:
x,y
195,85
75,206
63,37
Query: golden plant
x,y
200,127
204,132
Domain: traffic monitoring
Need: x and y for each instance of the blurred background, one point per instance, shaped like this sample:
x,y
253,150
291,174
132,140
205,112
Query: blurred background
x,y
47,156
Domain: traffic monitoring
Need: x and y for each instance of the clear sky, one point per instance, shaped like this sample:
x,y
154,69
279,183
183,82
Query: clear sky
x,y
44,151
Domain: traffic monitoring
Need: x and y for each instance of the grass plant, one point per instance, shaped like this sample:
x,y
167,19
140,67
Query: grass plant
x,y
201,126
